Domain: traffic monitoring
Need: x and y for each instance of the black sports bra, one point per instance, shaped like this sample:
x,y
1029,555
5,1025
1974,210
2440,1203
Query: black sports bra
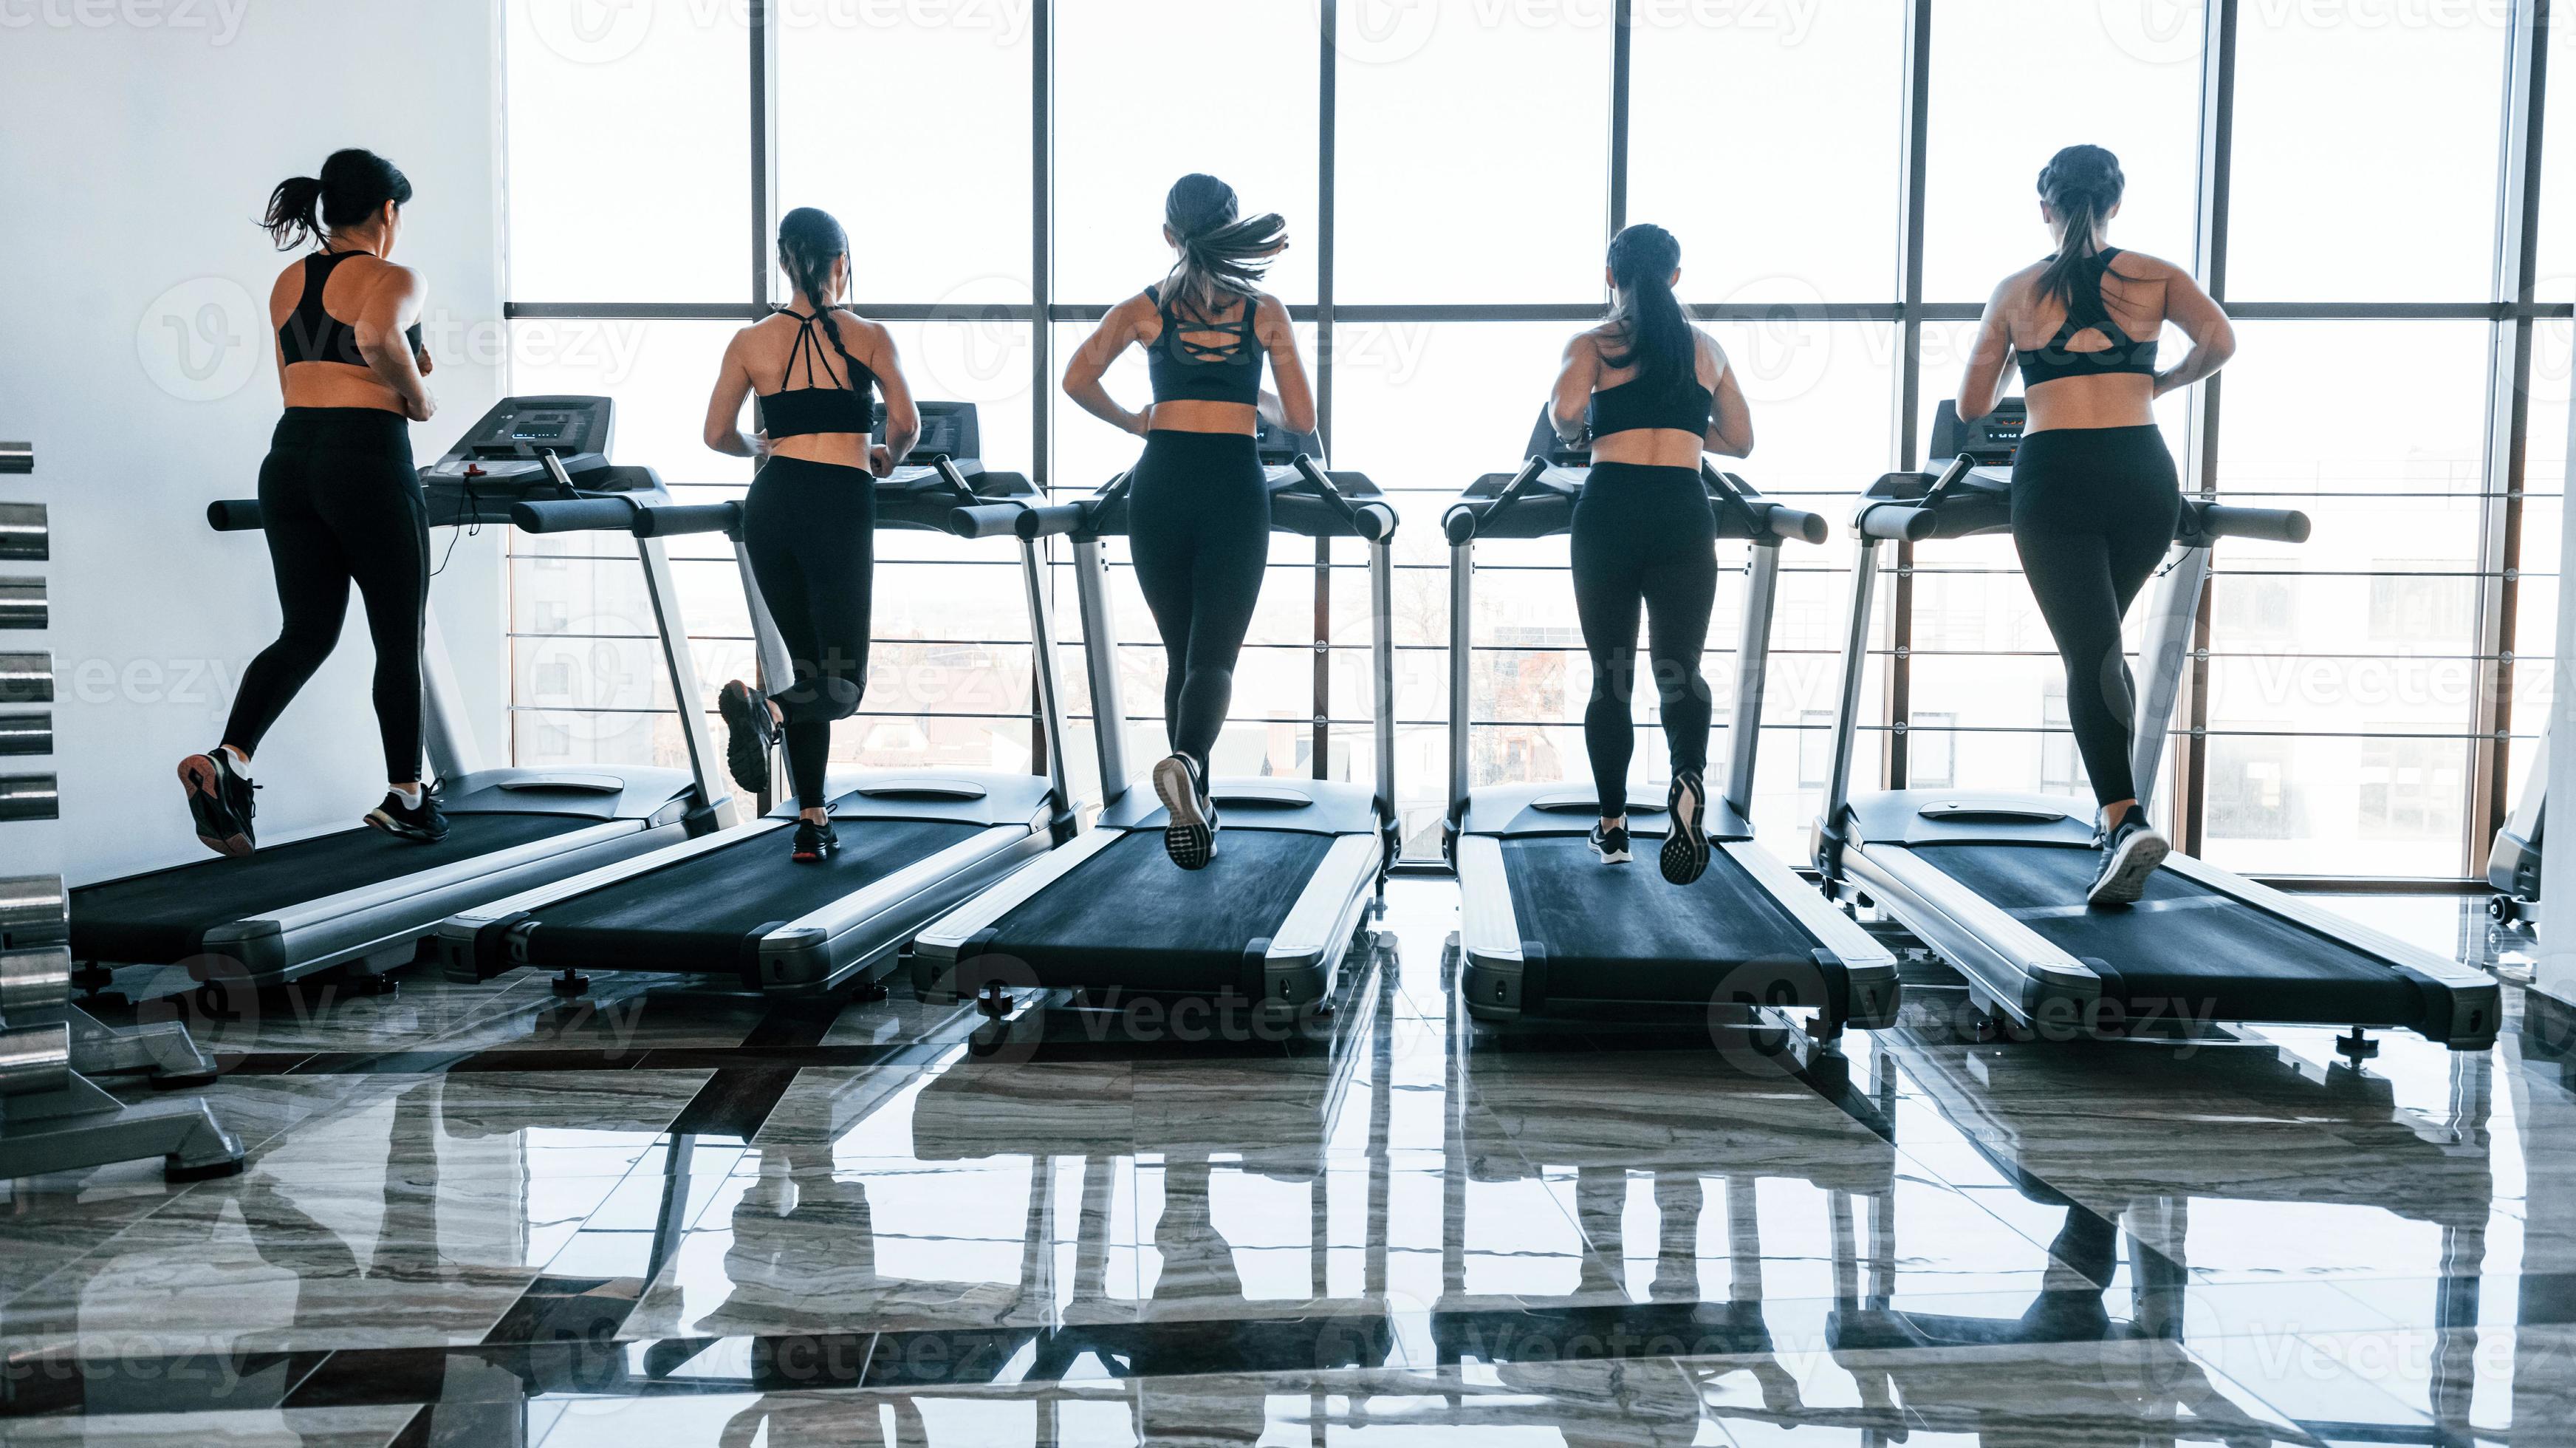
x,y
1677,402
314,335
834,405
1183,370
2086,312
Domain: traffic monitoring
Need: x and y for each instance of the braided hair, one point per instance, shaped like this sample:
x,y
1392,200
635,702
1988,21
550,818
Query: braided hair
x,y
1649,317
2081,184
809,241
1220,251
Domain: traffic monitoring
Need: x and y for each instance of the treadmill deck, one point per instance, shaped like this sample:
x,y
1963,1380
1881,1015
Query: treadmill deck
x,y
163,915
1129,917
701,912
2184,946
1623,932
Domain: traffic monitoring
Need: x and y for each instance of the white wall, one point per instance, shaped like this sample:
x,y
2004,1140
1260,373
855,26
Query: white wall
x,y
138,142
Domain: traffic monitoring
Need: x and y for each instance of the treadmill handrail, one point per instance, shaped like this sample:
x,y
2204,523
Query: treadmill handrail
x,y
2203,521
1372,521
1463,518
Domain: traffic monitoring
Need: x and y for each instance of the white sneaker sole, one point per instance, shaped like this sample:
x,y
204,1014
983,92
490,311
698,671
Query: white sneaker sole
x,y
1612,857
1188,839
2138,858
1685,852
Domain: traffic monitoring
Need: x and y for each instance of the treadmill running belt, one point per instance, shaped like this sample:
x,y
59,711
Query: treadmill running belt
x,y
163,916
2185,947
1623,932
699,913
1130,917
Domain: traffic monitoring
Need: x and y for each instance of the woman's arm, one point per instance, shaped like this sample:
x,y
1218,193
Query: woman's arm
x,y
392,305
1294,406
1090,362
2213,337
1582,366
724,405
1730,427
1990,360
903,415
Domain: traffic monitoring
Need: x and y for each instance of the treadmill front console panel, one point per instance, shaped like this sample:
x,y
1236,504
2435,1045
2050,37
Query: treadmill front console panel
x,y
508,446
1989,442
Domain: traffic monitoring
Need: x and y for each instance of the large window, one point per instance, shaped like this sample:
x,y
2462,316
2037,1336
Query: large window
x,y
1450,171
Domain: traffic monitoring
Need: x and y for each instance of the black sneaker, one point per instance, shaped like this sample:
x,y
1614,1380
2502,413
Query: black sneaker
x,y
1190,836
423,823
814,841
1610,842
2130,853
220,802
750,734
1685,853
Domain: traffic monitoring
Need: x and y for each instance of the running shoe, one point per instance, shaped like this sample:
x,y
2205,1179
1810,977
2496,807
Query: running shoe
x,y
750,734
2131,851
219,799
1685,852
424,823
1190,836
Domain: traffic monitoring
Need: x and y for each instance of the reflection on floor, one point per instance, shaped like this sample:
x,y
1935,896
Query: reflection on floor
x,y
476,1216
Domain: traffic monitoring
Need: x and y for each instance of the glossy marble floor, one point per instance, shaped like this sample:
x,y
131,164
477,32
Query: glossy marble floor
x,y
479,1216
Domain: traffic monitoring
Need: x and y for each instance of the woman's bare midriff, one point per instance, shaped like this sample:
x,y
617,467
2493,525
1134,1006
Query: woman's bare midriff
x,y
1650,447
841,449
2123,399
337,384
1197,414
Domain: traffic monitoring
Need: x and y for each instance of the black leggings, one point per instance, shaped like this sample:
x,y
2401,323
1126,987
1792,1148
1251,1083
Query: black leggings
x,y
2093,510
809,530
1199,529
341,503
1644,535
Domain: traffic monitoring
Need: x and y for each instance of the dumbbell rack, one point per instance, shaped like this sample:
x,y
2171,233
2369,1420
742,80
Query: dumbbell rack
x,y
53,1116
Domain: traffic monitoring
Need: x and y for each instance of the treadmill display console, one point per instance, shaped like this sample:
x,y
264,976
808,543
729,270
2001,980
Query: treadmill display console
x,y
1990,441
1278,446
948,430
507,449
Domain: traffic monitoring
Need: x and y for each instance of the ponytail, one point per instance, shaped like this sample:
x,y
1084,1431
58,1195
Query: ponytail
x,y
810,239
353,187
1649,317
1220,252
2081,184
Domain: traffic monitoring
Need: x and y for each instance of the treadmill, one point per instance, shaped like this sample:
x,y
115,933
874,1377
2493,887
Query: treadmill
x,y
914,842
360,898
2513,865
1271,920
1995,882
1545,928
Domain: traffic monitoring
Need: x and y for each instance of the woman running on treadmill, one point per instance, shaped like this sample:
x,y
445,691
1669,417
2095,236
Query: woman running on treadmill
x,y
1199,505
1655,392
2094,495
809,522
338,496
